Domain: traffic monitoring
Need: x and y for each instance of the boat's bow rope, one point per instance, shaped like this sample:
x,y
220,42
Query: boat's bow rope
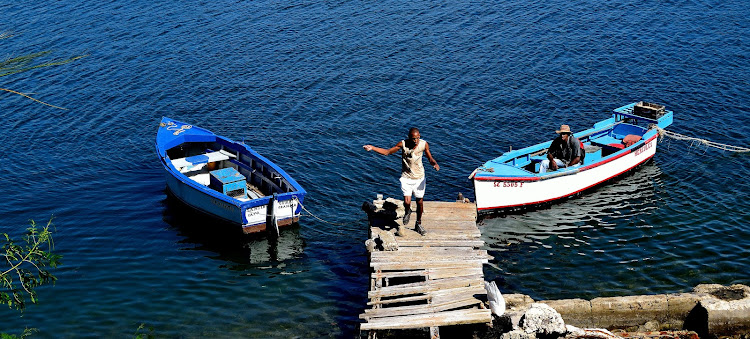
x,y
326,221
677,136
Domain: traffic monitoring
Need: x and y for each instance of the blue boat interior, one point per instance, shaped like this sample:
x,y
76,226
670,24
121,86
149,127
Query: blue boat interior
x,y
228,170
624,130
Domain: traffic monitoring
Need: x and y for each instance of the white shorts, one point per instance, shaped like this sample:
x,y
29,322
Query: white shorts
x,y
416,186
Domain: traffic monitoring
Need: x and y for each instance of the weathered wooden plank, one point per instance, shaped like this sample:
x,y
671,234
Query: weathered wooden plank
x,y
442,296
453,272
420,309
450,224
438,250
428,258
426,286
444,283
403,266
409,253
398,300
456,317
457,294
411,234
437,228
400,274
433,273
443,236
449,204
402,242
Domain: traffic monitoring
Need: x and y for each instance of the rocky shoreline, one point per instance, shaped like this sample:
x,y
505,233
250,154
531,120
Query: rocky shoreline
x,y
709,311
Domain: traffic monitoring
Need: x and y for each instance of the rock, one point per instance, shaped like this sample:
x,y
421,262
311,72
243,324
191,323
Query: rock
x,y
369,207
650,326
679,306
517,302
386,210
514,318
401,231
575,311
724,310
370,244
574,332
543,320
518,334
389,241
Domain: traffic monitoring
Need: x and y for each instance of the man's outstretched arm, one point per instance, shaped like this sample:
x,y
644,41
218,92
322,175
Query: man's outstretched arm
x,y
383,151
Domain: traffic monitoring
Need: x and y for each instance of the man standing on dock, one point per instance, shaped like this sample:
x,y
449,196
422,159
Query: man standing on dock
x,y
412,172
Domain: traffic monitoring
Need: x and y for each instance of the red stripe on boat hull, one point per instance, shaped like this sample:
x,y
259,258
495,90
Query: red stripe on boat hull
x,y
569,194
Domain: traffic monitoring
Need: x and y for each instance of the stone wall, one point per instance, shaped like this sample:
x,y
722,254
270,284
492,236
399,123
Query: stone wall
x,y
710,310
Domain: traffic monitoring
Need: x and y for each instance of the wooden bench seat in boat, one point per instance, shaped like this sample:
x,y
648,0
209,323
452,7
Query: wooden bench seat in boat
x,y
185,164
606,141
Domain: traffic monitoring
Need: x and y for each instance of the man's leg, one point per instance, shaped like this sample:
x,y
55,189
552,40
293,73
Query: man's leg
x,y
407,204
406,189
419,195
420,209
544,165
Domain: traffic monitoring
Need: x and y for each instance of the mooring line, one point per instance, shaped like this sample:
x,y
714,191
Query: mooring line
x,y
725,147
326,221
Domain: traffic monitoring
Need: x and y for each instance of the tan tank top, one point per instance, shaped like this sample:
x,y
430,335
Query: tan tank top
x,y
411,160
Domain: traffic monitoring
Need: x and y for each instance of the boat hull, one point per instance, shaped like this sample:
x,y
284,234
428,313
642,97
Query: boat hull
x,y
504,194
253,219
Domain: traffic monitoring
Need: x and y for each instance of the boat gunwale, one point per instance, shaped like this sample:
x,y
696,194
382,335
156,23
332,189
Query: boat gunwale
x,y
568,171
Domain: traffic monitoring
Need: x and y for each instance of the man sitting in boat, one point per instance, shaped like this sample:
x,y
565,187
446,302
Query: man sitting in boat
x,y
564,151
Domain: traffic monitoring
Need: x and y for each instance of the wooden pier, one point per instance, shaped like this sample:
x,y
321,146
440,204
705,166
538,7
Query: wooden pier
x,y
425,281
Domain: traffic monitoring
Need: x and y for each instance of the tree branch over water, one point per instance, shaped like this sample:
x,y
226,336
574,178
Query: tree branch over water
x,y
25,266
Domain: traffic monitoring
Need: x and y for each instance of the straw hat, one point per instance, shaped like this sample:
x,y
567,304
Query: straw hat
x,y
563,129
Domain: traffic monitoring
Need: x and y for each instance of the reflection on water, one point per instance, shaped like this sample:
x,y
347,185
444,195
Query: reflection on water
x,y
241,251
608,232
606,206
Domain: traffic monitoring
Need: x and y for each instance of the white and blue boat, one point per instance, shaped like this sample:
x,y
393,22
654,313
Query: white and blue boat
x,y
613,147
227,179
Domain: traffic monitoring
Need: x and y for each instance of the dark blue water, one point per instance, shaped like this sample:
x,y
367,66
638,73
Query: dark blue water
x,y
307,83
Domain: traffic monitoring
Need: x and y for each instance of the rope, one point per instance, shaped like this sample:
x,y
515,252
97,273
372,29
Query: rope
x,y
325,221
725,147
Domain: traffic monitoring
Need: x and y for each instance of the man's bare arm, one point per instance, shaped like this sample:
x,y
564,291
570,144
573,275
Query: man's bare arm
x,y
383,151
430,158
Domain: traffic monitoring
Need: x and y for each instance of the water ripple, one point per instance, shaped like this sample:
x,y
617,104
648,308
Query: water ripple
x,y
308,83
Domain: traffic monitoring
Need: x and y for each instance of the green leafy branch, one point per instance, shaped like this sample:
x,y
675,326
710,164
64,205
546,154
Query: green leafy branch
x,y
26,333
25,266
23,63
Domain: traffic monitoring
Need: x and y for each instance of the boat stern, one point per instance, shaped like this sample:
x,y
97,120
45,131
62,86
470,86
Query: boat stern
x,y
282,209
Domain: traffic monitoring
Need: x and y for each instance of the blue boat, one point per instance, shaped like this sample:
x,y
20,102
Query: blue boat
x,y
227,179
613,147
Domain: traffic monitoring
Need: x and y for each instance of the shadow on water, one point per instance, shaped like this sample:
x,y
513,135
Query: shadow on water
x,y
243,251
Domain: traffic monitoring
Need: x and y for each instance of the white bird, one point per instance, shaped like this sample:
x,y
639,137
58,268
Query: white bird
x,y
496,300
